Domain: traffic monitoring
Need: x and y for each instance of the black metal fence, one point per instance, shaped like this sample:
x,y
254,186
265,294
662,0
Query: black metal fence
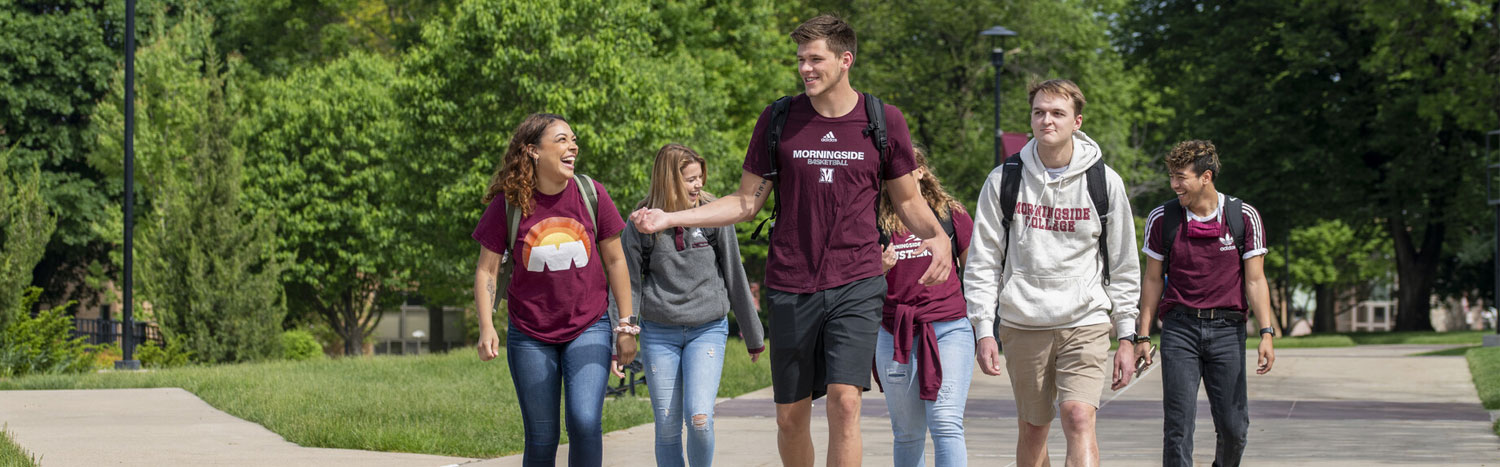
x,y
98,331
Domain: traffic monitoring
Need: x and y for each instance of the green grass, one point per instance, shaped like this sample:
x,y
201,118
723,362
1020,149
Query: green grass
x,y
13,455
1448,352
1419,337
1484,364
446,404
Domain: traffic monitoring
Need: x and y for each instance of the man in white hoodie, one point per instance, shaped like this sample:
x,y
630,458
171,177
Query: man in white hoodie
x,y
1071,267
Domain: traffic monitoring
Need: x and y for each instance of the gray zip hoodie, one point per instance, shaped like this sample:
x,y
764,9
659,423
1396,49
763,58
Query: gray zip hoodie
x,y
688,277
1054,279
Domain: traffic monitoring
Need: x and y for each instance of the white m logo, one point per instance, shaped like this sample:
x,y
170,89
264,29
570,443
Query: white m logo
x,y
559,257
827,175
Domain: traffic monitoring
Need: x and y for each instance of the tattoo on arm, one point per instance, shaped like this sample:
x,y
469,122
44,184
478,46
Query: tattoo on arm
x,y
760,190
490,287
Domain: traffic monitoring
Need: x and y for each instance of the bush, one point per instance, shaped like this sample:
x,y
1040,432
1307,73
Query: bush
x,y
298,345
43,344
175,354
105,355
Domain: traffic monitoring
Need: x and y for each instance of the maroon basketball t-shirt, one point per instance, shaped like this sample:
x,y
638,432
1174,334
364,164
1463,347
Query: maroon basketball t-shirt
x,y
901,281
825,236
557,286
1206,271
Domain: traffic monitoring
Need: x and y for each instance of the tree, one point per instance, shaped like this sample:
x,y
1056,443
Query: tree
x,y
26,224
279,36
318,146
1353,105
629,76
1332,255
206,262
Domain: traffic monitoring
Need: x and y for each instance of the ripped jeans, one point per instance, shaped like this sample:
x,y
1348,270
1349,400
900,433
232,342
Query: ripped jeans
x,y
911,417
683,366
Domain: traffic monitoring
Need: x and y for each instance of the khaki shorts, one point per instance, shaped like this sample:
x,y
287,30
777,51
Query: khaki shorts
x,y
1055,365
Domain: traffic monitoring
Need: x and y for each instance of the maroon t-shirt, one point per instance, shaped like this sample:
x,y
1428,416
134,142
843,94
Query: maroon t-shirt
x,y
902,286
825,235
1206,271
557,286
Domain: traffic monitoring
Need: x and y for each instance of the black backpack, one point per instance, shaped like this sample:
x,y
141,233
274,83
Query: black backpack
x,y
874,111
1010,189
1172,217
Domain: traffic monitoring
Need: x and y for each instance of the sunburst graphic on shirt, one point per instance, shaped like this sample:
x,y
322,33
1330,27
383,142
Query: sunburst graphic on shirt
x,y
556,244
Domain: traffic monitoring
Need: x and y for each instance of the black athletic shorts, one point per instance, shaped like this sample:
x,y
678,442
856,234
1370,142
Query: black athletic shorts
x,y
824,337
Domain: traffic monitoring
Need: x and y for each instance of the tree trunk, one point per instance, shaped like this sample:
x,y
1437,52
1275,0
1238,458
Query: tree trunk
x,y
1324,316
1415,271
351,335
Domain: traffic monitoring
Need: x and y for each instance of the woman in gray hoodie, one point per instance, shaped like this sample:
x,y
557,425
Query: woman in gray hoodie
x,y
683,283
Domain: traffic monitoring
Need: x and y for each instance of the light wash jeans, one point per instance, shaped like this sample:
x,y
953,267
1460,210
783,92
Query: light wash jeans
x,y
912,417
540,372
683,366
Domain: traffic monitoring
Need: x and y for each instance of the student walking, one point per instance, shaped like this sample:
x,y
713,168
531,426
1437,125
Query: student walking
x,y
683,283
560,233
924,357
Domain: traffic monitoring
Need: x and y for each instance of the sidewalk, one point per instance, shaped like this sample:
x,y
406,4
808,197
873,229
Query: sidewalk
x,y
1367,405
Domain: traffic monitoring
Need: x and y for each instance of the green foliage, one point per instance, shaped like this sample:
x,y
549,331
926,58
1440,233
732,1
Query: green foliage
x,y
319,142
206,262
1332,252
629,76
175,354
25,227
1336,110
43,344
1484,365
279,36
298,345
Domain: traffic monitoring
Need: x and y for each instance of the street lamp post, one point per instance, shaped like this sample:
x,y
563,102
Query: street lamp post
x,y
128,348
997,58
1492,153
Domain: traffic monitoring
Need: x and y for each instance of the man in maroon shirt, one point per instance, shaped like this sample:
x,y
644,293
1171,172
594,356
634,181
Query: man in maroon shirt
x,y
824,267
1215,263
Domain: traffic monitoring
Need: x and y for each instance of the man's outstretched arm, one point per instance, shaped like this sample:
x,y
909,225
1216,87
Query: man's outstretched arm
x,y
918,218
736,207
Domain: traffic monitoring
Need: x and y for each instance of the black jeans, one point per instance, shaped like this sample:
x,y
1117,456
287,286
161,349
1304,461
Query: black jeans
x,y
1212,350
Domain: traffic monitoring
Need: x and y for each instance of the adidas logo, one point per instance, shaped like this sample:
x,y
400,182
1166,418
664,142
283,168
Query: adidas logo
x,y
828,138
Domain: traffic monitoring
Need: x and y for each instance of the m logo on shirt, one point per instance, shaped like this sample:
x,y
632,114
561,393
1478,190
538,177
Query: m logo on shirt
x,y
828,138
826,175
556,244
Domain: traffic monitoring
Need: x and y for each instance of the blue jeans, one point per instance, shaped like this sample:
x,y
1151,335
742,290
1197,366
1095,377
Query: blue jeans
x,y
1211,350
540,371
912,417
683,366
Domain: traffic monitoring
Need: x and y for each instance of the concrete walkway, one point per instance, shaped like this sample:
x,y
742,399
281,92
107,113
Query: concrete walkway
x,y
1368,405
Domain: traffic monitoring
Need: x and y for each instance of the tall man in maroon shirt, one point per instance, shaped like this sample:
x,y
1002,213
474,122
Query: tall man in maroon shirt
x,y
824,267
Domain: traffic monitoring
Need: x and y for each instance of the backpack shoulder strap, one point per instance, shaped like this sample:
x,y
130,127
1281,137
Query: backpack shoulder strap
x,y
1171,218
779,111
590,198
1010,190
1234,218
1099,193
513,215
876,130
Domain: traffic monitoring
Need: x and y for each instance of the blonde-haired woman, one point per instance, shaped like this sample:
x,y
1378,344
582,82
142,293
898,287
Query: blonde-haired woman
x,y
924,355
566,260
684,281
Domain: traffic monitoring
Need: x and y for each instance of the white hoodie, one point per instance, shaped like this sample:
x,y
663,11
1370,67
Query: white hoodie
x,y
1054,280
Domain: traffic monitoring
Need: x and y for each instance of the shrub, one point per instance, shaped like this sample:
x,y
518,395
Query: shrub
x,y
175,354
298,345
43,344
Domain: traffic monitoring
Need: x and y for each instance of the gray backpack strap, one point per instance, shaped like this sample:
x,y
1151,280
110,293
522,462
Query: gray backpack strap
x,y
590,198
513,225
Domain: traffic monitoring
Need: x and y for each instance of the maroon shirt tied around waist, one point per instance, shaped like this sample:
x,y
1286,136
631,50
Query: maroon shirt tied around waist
x,y
911,308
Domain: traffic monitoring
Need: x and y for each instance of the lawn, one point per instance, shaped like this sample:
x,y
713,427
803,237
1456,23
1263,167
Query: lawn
x,y
12,455
1484,364
447,404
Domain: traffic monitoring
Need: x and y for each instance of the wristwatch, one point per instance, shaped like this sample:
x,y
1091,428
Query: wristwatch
x,y
1268,330
631,320
1128,337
